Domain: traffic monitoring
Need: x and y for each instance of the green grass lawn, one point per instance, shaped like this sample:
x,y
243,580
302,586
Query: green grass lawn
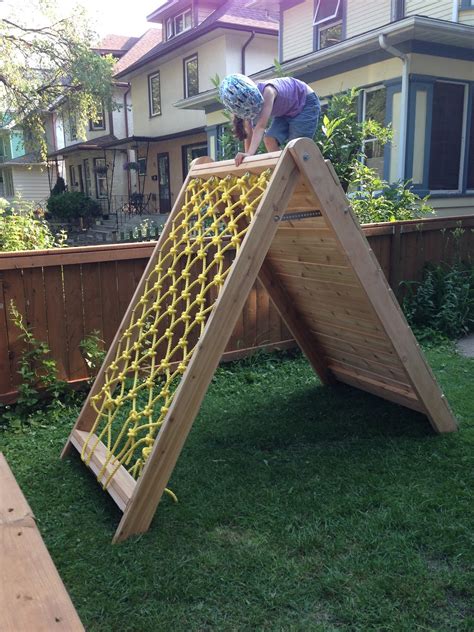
x,y
300,507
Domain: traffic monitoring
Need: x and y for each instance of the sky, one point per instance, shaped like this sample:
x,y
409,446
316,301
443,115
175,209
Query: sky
x,y
122,17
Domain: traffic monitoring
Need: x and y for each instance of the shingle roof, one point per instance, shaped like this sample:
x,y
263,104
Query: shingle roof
x,y
231,14
144,44
25,160
116,43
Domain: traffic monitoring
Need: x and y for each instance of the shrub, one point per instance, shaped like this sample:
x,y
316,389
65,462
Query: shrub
x,y
375,200
22,229
72,205
443,301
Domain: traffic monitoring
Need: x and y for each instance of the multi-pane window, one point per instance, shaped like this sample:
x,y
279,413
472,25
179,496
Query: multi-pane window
x,y
374,108
154,94
447,136
100,169
191,77
179,23
99,122
328,22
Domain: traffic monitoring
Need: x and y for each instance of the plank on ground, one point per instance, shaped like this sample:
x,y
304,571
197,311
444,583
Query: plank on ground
x,y
33,597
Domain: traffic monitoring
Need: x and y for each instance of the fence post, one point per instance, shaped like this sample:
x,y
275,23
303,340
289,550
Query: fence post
x,y
395,249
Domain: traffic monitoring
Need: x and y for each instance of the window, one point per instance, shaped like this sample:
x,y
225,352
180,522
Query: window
x,y
100,169
470,156
141,166
72,176
154,94
191,76
373,108
328,23
446,146
398,10
179,23
99,123
190,152
87,176
467,4
72,125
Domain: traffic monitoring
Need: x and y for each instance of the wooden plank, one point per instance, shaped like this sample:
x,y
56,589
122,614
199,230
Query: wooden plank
x,y
5,375
292,252
363,349
13,290
319,272
122,483
35,302
252,164
393,370
74,321
348,292
196,379
249,313
109,297
364,383
56,315
343,317
307,341
375,341
263,315
33,596
92,299
352,241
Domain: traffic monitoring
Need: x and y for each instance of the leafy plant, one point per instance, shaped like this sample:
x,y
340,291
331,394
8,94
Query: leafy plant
x,y
21,228
93,352
72,205
375,200
443,301
39,382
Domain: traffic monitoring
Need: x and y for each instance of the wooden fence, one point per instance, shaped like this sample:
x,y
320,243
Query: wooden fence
x,y
65,294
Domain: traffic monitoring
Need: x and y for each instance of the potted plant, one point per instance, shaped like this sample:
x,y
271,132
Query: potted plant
x,y
101,169
131,166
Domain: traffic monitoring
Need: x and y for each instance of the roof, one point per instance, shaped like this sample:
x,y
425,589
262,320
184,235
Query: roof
x,y
232,14
117,45
90,145
144,44
26,160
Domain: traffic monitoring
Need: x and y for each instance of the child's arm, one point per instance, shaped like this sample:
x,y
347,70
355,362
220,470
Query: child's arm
x,y
258,131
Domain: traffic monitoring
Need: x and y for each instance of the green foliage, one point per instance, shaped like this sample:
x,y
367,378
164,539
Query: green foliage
x,y
39,382
73,205
46,58
340,135
23,228
375,200
93,352
443,302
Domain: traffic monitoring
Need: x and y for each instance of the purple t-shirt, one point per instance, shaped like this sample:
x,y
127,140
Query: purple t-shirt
x,y
291,95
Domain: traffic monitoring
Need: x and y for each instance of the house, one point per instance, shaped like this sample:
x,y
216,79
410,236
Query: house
x,y
413,63
201,39
94,165
22,173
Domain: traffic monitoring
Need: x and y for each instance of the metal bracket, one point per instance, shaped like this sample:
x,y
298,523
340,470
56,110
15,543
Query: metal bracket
x,y
287,217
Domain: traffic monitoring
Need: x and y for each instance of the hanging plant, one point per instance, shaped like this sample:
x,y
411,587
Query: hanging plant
x,y
131,166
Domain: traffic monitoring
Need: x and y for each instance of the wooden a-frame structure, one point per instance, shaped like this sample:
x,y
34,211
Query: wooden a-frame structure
x,y
307,249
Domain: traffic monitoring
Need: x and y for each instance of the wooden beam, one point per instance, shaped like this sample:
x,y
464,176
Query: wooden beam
x,y
32,595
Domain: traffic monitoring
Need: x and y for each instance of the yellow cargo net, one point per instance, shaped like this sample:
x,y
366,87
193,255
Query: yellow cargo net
x,y
168,319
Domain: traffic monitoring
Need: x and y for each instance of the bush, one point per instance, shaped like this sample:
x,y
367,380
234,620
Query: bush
x,y
443,301
72,205
22,229
378,201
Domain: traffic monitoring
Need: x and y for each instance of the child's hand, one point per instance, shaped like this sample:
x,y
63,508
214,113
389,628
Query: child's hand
x,y
240,157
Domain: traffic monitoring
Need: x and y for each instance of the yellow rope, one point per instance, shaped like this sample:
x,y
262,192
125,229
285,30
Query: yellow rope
x,y
168,319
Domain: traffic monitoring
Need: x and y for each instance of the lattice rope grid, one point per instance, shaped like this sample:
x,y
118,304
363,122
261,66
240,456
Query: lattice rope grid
x,y
215,217
230,226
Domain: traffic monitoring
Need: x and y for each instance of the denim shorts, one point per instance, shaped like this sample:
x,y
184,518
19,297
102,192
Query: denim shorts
x,y
304,124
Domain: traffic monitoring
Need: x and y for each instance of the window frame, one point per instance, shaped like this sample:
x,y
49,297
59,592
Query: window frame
x,y
100,176
363,118
186,61
142,166
336,18
72,175
184,154
170,23
95,127
152,76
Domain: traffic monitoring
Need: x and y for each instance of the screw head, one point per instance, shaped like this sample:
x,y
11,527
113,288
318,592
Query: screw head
x,y
305,157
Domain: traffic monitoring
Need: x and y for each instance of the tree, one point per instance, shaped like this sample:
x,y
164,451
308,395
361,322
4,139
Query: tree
x,y
46,60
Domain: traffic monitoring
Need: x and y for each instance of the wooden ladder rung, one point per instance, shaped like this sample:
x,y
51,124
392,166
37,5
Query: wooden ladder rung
x,y
122,484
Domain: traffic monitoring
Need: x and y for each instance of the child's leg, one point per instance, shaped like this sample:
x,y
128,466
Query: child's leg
x,y
304,124
271,143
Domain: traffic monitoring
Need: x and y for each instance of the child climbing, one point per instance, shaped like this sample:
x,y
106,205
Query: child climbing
x,y
291,103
